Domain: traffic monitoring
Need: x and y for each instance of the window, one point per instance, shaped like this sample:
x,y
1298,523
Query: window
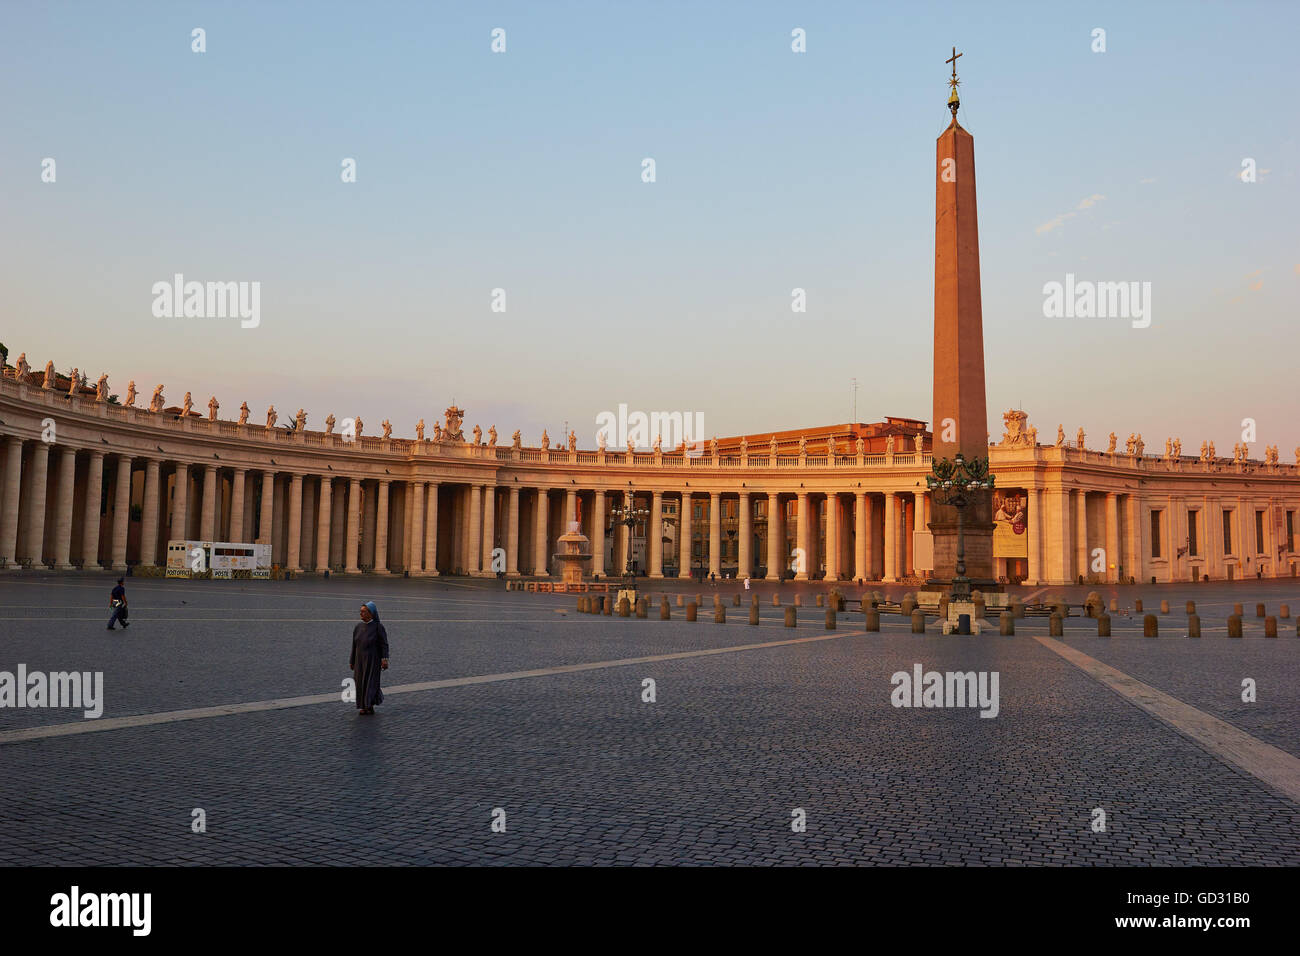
x,y
1193,544
1290,530
1227,531
1155,534
699,511
1259,532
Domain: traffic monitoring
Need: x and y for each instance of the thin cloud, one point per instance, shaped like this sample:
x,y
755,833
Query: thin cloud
x,y
1086,203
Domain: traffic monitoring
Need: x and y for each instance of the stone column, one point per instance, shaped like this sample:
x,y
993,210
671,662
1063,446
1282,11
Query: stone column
x,y
869,509
267,523
541,561
832,537
1113,555
431,529
180,504
715,533
570,508
1035,532
774,535
891,536
90,512
684,536
1057,542
745,551
1083,562
490,527
63,509
909,527
237,496
324,516
293,554
1134,552
860,569
598,534
803,537
475,546
11,496
353,545
34,544
655,535
512,533
208,518
415,549
382,510
121,511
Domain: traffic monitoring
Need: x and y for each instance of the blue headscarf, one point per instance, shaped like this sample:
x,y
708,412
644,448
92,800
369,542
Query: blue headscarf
x,y
374,611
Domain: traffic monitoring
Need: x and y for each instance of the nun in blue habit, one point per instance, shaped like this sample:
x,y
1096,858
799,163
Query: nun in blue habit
x,y
369,657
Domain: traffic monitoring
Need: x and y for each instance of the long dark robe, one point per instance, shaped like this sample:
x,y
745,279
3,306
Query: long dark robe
x,y
369,647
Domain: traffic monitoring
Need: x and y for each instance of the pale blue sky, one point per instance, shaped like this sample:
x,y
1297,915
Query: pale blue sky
x,y
775,170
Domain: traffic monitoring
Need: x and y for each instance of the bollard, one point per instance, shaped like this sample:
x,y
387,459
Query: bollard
x,y
753,614
1103,625
1234,625
1191,607
943,607
1193,625
980,610
665,612
963,624
1055,625
1061,608
1150,628
821,600
1137,605
866,603
907,605
699,599
607,605
1284,611
691,610
717,600
719,615
1259,610
753,602
918,621
1270,626
643,608
776,600
1164,607
1236,609
582,604
873,621
798,600
1017,608
681,600
1092,604
1114,605
830,619
1006,624
790,617
624,608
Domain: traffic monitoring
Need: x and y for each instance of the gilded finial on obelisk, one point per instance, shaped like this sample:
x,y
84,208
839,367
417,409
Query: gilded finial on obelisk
x,y
953,100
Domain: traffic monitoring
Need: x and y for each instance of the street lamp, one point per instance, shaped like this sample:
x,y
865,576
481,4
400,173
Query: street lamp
x,y
628,514
951,482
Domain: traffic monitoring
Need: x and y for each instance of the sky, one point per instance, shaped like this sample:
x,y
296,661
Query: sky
x,y
774,170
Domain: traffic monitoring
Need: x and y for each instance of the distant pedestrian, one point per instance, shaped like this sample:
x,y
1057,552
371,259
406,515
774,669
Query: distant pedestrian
x,y
118,603
369,657
746,582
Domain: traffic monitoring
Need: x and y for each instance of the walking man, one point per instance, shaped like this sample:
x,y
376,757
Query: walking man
x,y
118,603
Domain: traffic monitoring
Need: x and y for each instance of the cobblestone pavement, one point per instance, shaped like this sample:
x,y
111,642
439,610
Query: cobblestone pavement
x,y
584,770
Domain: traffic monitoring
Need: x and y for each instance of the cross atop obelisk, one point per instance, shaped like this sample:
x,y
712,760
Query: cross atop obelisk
x,y
953,100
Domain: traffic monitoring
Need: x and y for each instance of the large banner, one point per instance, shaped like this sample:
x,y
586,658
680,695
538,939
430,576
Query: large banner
x,y
1010,524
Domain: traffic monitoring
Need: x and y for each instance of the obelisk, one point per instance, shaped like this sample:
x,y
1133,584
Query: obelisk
x,y
960,423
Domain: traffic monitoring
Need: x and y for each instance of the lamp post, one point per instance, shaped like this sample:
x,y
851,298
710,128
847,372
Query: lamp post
x,y
951,482
628,514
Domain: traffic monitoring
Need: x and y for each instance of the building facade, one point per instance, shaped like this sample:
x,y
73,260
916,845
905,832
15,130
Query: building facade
x,y
87,483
